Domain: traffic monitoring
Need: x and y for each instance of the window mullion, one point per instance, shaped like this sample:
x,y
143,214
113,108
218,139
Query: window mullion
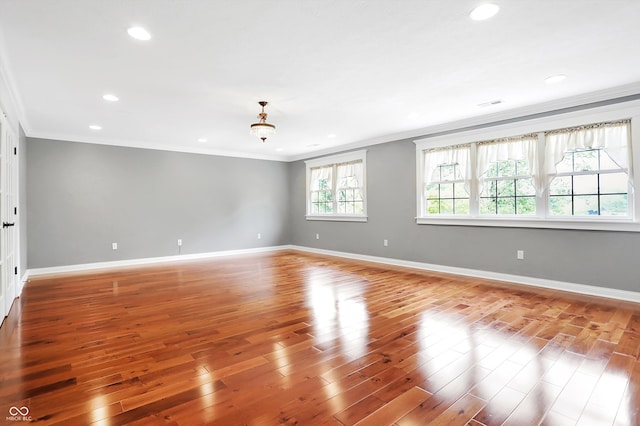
x,y
542,200
474,184
334,188
634,182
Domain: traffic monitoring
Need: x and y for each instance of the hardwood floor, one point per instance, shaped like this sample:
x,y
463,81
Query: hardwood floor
x,y
294,338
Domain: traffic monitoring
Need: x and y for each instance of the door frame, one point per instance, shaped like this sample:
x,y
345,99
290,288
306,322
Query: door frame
x,y
9,236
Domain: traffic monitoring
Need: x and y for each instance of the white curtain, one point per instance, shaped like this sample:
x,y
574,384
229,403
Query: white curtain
x,y
520,148
613,138
319,174
460,155
350,175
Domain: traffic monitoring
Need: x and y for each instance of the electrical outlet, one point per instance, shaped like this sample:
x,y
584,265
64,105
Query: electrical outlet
x,y
385,243
520,254
179,243
114,246
317,236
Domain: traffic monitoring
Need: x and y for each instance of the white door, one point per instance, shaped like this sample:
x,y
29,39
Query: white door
x,y
8,216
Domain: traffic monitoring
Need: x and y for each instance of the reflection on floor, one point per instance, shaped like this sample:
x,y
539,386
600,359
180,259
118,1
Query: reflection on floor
x,y
295,338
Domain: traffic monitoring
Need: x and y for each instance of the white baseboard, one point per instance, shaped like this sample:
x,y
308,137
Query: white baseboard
x,y
145,261
610,293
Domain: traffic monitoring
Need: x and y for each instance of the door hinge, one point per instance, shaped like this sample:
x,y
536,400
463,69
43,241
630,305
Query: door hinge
x,y
15,150
15,270
15,210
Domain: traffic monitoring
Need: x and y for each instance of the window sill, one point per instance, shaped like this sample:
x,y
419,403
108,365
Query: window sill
x,y
591,225
336,218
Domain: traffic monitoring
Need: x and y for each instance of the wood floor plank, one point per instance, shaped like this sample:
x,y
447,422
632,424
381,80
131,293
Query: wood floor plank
x,y
460,412
289,337
499,407
535,405
360,410
396,408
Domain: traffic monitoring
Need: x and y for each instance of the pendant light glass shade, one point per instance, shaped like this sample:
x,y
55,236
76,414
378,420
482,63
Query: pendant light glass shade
x,y
262,129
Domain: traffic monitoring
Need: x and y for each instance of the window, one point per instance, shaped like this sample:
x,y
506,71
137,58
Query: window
x,y
508,189
589,183
349,187
446,184
446,193
336,187
572,177
592,176
505,176
321,193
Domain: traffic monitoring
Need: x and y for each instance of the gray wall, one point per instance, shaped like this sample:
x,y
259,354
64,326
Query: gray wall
x,y
22,199
82,197
599,258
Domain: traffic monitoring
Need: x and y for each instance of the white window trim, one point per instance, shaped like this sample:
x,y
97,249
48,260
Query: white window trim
x,y
595,115
360,155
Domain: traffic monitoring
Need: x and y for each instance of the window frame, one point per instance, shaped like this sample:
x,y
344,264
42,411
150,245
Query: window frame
x,y
334,161
543,219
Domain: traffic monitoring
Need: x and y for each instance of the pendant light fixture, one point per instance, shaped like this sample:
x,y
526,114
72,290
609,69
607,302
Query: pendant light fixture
x,y
262,129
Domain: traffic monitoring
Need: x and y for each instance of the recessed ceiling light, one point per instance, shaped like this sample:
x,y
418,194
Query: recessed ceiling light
x,y
95,127
555,79
139,33
111,98
279,149
202,140
484,11
331,135
413,115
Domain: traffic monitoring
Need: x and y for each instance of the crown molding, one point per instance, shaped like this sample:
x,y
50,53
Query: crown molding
x,y
586,101
15,105
614,95
151,145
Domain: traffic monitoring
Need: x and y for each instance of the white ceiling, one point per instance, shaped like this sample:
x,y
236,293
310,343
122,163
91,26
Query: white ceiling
x,y
366,71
